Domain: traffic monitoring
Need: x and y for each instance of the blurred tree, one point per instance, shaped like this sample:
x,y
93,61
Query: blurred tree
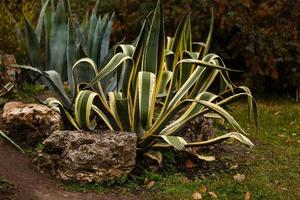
x,y
15,8
260,37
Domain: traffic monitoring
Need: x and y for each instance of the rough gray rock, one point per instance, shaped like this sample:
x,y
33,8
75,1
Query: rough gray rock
x,y
30,123
87,156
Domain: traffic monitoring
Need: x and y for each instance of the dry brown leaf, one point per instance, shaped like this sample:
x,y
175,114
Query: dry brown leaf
x,y
154,168
146,181
202,189
277,182
239,178
149,184
247,196
283,188
234,167
281,135
197,196
189,164
213,195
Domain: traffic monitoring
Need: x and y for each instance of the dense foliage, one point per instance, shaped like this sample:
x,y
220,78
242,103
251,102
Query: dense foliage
x,y
259,37
11,14
262,37
59,39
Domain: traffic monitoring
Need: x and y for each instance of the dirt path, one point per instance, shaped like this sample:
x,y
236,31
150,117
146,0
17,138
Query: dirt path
x,y
18,170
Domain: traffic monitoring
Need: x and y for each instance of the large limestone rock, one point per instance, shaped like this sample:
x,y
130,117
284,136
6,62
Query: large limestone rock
x,y
85,156
30,123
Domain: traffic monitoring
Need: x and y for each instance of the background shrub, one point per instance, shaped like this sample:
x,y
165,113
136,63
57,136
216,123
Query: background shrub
x,y
259,37
8,41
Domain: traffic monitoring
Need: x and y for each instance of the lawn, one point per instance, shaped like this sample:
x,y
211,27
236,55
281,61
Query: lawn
x,y
271,168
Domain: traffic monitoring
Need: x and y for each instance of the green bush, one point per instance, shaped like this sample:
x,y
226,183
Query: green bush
x,y
58,39
8,40
262,38
259,37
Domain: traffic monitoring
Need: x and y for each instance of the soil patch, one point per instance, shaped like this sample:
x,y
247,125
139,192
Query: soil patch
x,y
19,171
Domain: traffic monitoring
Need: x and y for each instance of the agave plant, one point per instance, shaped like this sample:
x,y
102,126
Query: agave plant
x,y
53,22
10,141
4,90
65,40
157,78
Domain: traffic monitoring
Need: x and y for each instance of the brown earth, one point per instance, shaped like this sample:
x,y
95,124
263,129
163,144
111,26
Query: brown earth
x,y
28,184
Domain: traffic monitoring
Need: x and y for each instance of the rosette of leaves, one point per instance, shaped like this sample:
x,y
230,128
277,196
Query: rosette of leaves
x,y
58,39
157,78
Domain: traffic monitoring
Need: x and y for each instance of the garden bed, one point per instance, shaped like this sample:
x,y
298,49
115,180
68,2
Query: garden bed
x,y
271,168
168,103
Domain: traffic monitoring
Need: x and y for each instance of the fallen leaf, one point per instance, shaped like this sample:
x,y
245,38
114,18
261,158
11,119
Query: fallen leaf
x,y
281,135
247,196
203,177
197,195
146,181
239,178
234,167
284,188
213,195
189,164
154,168
154,155
211,147
206,158
277,182
289,141
150,184
202,189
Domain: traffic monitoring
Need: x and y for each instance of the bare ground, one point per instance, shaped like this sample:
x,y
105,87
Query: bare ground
x,y
28,184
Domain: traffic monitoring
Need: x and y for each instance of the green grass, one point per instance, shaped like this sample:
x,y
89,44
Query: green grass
x,y
272,167
4,185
